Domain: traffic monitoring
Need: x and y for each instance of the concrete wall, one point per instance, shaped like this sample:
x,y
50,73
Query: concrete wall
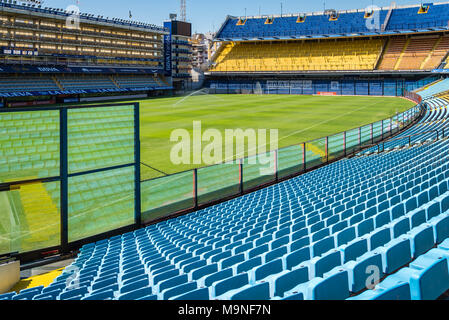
x,y
9,275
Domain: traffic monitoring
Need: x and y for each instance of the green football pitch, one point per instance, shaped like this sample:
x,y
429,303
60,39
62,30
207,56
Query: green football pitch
x,y
297,118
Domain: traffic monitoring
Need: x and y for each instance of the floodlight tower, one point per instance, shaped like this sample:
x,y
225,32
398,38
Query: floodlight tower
x,y
183,10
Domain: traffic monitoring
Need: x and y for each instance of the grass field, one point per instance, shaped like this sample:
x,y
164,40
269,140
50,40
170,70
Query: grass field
x,y
298,119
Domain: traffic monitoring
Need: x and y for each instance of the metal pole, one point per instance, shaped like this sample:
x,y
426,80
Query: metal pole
x,y
276,165
195,187
344,143
241,176
403,119
360,138
137,191
327,149
382,128
391,127
64,172
304,156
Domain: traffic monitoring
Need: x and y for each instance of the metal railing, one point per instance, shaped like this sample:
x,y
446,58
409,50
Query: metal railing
x,y
439,134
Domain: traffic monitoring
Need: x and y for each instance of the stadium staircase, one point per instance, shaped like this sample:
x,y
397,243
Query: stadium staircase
x,y
57,83
387,18
373,226
114,81
401,56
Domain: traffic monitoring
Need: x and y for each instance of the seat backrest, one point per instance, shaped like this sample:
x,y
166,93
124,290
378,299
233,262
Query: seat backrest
x,y
270,268
231,283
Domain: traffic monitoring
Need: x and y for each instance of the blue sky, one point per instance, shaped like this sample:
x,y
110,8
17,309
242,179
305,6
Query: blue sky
x,y
207,15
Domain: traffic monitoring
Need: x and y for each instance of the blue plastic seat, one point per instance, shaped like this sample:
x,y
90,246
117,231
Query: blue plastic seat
x,y
418,217
265,270
400,291
274,254
259,291
396,254
422,239
379,238
134,285
428,277
247,265
74,293
203,271
181,288
231,283
441,228
287,280
299,243
210,279
354,249
323,246
104,295
198,294
334,286
367,270
295,258
345,236
320,265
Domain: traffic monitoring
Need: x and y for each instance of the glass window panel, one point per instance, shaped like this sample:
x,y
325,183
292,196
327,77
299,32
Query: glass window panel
x,y
100,202
30,217
352,140
290,161
366,135
315,153
396,124
217,182
387,127
377,131
29,145
258,170
336,146
166,195
100,137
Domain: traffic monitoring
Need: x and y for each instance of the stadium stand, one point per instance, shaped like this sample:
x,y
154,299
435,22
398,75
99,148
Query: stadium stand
x,y
406,38
438,87
438,54
299,56
347,23
138,81
48,59
400,53
33,83
311,237
395,47
415,53
70,82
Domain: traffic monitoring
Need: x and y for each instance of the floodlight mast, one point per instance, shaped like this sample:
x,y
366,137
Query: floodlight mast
x,y
183,12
